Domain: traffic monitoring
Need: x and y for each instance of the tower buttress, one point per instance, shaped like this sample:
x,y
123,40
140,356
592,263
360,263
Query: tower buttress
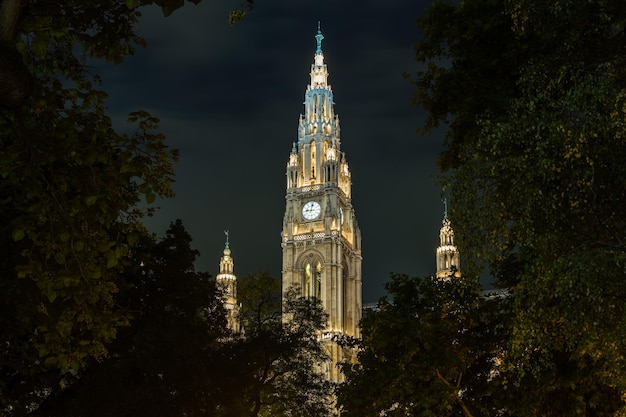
x,y
448,257
321,239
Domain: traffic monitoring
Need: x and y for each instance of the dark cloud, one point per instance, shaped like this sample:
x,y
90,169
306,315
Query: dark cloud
x,y
229,98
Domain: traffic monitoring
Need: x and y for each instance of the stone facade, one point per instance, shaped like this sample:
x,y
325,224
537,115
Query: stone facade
x,y
227,280
321,240
448,257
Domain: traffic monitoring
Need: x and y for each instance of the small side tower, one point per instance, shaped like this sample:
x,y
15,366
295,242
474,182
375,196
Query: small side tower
x,y
227,280
448,257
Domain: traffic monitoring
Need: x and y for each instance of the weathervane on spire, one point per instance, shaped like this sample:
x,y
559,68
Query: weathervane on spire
x,y
319,37
226,233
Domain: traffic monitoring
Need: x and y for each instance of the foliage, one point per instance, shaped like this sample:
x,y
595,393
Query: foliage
x,y
240,13
71,187
274,368
260,298
177,357
428,352
163,356
470,67
539,181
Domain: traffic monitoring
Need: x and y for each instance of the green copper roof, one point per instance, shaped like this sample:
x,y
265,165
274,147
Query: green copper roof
x,y
319,37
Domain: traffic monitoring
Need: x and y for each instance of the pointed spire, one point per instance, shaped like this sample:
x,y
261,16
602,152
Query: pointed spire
x,y
319,37
318,131
448,258
227,280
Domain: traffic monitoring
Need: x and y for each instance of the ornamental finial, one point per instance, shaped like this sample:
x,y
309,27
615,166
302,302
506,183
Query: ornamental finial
x,y
445,208
319,37
226,233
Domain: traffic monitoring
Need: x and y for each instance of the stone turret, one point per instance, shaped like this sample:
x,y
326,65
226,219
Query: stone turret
x,y
227,280
448,257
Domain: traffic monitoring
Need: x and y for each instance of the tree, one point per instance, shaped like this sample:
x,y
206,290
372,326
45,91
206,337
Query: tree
x,y
70,217
103,29
274,368
429,351
70,213
162,356
538,180
470,67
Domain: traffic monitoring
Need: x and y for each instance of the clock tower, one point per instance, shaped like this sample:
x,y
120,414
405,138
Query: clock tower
x,y
321,240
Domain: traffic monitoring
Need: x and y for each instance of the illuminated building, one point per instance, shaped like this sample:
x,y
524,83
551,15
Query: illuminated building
x,y
321,241
448,258
227,281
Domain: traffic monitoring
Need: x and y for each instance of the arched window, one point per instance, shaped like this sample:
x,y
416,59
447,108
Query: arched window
x,y
318,280
313,279
313,159
307,280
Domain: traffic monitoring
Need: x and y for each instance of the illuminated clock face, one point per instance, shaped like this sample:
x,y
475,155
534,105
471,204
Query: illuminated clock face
x,y
311,210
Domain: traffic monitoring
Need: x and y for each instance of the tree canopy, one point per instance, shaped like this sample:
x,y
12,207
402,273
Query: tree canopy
x,y
428,349
72,189
160,363
533,93
176,356
275,367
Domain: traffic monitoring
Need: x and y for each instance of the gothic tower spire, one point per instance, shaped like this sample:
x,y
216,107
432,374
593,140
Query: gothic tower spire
x,y
319,38
448,258
317,153
227,280
321,239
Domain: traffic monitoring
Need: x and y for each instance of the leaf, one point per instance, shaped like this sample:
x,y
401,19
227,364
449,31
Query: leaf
x,y
150,197
90,201
40,46
18,235
60,258
169,6
79,245
132,238
42,350
112,259
236,16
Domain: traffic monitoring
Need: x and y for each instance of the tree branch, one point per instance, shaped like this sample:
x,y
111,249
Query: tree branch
x,y
10,12
455,391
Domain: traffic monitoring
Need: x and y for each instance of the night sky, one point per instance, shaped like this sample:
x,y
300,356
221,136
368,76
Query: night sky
x,y
229,99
